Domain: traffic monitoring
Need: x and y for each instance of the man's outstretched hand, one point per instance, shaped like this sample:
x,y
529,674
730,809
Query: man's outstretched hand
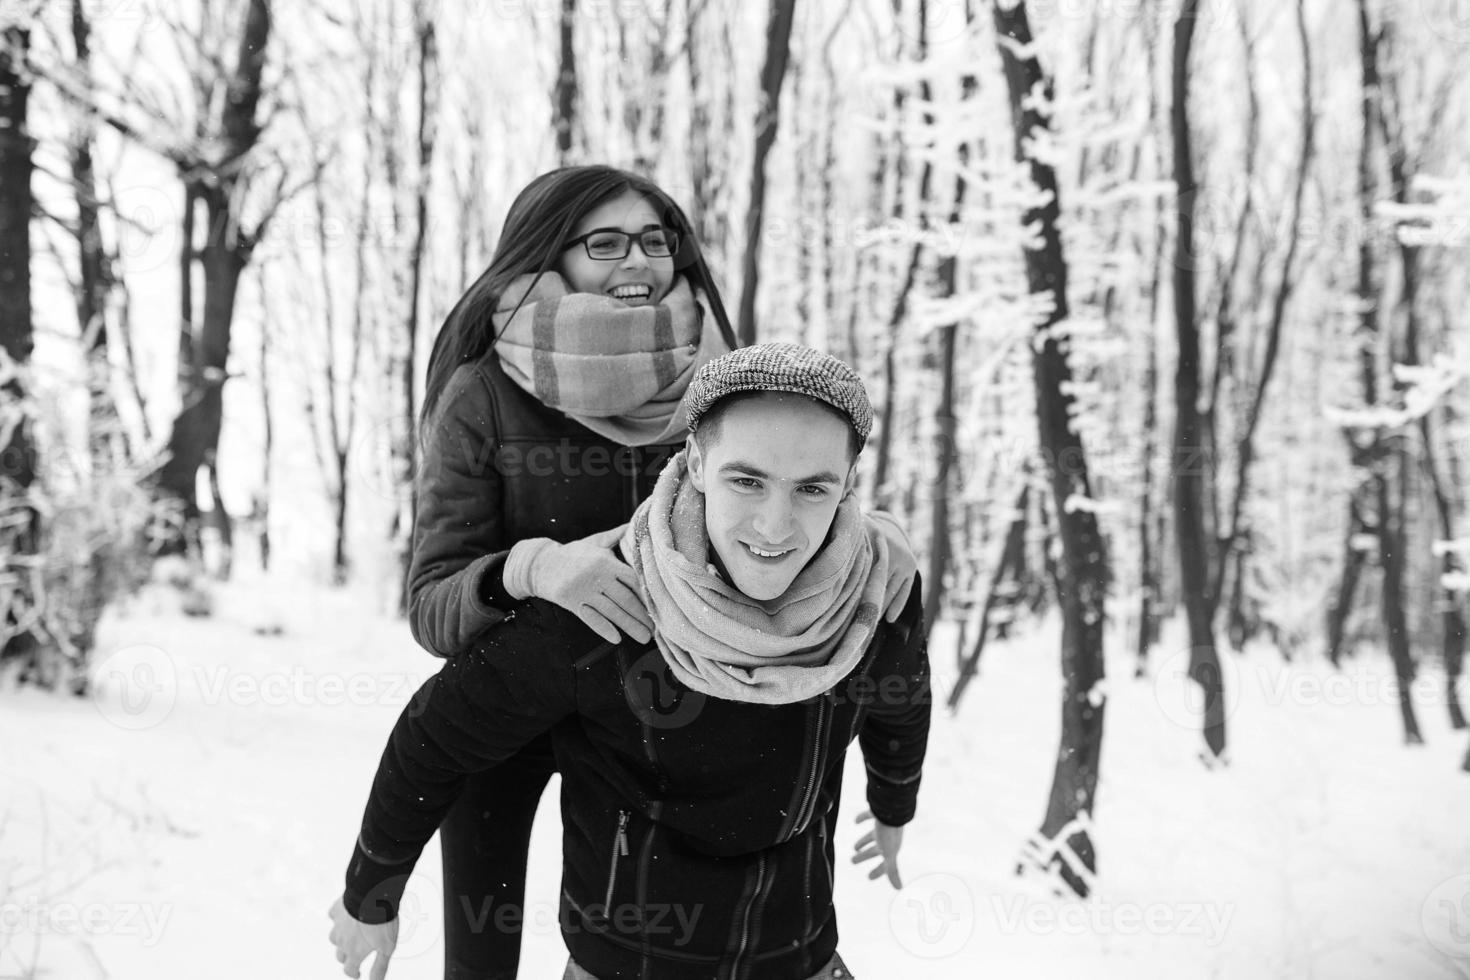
x,y
355,940
882,842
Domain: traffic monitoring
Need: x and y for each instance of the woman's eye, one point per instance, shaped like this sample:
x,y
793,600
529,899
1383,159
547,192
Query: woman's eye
x,y
604,244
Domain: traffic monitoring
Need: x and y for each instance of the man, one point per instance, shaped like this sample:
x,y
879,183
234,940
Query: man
x,y
701,771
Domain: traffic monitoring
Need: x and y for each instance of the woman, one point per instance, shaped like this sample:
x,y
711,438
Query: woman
x,y
553,401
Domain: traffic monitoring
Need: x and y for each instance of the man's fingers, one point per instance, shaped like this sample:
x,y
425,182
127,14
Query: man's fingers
x,y
380,966
893,878
866,839
876,873
865,815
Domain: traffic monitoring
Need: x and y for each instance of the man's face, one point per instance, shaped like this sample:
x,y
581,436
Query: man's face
x,y
772,475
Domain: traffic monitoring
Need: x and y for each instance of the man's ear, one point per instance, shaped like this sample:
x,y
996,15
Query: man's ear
x,y
850,484
696,462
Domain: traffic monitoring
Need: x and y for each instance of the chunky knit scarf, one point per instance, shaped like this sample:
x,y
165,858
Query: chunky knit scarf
x,y
619,370
721,642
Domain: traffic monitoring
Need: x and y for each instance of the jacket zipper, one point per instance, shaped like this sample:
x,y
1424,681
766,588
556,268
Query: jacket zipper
x,y
760,878
620,849
808,796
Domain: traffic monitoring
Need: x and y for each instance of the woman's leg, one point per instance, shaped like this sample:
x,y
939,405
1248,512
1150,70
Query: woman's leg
x,y
484,843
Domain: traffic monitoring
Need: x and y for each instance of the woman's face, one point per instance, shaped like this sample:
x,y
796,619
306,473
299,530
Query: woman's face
x,y
636,279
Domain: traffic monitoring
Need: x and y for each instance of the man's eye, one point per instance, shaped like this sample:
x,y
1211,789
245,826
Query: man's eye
x,y
745,483
812,490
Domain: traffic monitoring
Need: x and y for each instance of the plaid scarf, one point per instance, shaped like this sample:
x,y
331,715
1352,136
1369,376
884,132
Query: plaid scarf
x,y
719,641
619,370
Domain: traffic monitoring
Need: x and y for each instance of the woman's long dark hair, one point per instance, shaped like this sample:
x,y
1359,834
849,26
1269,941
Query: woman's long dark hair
x,y
540,220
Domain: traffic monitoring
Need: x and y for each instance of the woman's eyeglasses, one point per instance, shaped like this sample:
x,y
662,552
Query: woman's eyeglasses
x,y
610,244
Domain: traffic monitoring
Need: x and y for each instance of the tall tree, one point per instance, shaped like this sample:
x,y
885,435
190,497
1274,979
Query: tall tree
x,y
946,284
883,488
215,170
1402,165
1063,842
19,519
1189,464
564,94
95,265
767,124
405,444
1383,448
1233,536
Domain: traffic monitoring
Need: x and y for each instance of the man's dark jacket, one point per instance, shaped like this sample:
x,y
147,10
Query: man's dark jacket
x,y
697,833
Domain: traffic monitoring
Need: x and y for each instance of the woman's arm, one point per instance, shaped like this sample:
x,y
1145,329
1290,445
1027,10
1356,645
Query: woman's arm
x,y
459,546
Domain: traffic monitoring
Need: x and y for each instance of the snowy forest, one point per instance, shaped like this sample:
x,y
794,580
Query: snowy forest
x,y
1161,305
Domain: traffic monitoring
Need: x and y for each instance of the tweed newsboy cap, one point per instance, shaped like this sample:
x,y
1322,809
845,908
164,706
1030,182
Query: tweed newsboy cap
x,y
781,367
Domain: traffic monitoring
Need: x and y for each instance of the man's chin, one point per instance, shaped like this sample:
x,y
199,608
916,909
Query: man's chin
x,y
763,588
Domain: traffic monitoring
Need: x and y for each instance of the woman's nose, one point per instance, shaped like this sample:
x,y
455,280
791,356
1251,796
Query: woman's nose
x,y
636,257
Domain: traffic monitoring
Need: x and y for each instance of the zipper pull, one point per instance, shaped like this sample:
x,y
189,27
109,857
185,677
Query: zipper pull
x,y
623,833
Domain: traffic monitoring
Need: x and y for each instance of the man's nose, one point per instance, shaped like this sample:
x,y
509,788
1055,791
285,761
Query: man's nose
x,y
774,521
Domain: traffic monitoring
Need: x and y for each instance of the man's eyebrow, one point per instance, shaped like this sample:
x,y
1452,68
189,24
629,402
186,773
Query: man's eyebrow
x,y
826,476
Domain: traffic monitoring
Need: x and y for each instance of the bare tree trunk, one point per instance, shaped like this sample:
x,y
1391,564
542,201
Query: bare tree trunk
x,y
1352,567
103,429
1149,579
940,552
1063,843
194,440
565,97
1230,539
706,181
261,505
1452,621
884,493
833,342
19,537
1012,555
405,451
1390,530
1189,464
767,122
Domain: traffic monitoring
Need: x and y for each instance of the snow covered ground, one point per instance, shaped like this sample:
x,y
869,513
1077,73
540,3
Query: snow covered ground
x,y
193,819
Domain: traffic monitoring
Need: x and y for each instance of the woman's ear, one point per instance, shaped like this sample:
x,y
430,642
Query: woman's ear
x,y
696,462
